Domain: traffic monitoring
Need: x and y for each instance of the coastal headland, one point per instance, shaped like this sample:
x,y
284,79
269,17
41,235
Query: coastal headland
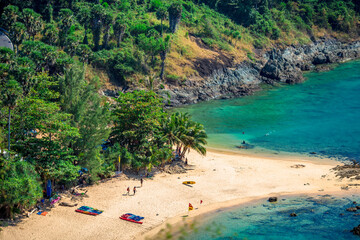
x,y
222,180
279,65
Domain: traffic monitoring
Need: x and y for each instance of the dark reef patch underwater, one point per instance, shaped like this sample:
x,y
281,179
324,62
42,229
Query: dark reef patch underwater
x,y
320,116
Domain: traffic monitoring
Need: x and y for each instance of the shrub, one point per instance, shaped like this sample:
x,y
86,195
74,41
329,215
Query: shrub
x,y
19,186
139,28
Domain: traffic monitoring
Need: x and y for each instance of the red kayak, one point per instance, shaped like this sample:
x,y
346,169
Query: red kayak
x,y
131,218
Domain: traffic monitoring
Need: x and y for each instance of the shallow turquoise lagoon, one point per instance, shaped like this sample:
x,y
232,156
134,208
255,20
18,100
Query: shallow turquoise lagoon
x,y
321,115
318,218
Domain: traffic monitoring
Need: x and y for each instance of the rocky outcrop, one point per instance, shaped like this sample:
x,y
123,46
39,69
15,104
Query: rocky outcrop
x,y
223,83
279,65
356,230
287,65
272,199
351,209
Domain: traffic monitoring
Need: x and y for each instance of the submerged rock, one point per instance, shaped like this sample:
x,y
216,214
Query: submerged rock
x,y
272,199
293,214
352,209
356,230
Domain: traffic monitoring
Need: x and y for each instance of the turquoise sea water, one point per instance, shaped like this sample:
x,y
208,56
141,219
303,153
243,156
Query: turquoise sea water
x,y
321,115
318,218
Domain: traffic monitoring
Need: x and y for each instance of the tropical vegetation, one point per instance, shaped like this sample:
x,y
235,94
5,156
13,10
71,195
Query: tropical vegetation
x,y
54,122
54,116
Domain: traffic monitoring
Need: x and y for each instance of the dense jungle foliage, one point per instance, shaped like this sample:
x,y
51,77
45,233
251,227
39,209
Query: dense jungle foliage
x,y
53,119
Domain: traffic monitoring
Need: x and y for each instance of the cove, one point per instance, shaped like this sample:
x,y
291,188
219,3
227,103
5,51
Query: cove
x,y
321,115
319,217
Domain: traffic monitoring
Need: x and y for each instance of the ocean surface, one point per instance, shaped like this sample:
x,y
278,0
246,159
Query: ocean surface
x,y
321,115
318,218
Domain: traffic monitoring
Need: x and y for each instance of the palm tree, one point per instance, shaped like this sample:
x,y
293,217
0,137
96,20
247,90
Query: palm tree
x,y
119,29
152,160
83,16
50,34
185,134
175,11
194,138
10,16
107,20
67,20
164,47
165,155
161,15
171,129
32,22
96,24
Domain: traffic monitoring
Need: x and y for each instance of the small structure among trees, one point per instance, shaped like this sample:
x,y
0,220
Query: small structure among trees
x,y
5,41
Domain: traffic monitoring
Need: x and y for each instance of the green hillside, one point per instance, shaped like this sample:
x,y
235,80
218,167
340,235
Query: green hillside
x,y
125,39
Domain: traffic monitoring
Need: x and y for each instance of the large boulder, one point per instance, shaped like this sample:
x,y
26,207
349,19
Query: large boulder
x,y
356,230
272,199
351,209
320,59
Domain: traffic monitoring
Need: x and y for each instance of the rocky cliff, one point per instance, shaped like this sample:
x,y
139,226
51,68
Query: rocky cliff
x,y
278,65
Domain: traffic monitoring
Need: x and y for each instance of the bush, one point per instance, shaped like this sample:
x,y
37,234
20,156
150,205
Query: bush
x,y
258,43
124,63
101,58
155,4
19,186
139,28
275,33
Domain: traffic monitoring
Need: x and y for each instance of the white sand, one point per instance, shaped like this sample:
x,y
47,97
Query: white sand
x,y
221,180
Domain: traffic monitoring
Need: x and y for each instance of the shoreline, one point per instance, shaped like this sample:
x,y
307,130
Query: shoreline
x,y
280,155
178,221
223,180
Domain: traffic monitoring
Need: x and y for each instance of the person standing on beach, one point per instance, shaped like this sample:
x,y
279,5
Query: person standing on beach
x,y
141,181
128,190
134,190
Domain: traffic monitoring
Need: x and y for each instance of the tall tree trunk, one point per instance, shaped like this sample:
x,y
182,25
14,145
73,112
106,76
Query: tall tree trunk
x,y
182,155
9,121
118,40
85,41
106,39
97,32
174,20
163,57
120,36
161,33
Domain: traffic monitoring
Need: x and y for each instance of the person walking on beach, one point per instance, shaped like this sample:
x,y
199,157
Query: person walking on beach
x,y
128,190
134,190
141,181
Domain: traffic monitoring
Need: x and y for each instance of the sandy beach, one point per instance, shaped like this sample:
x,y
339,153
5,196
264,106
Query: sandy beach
x,y
222,180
